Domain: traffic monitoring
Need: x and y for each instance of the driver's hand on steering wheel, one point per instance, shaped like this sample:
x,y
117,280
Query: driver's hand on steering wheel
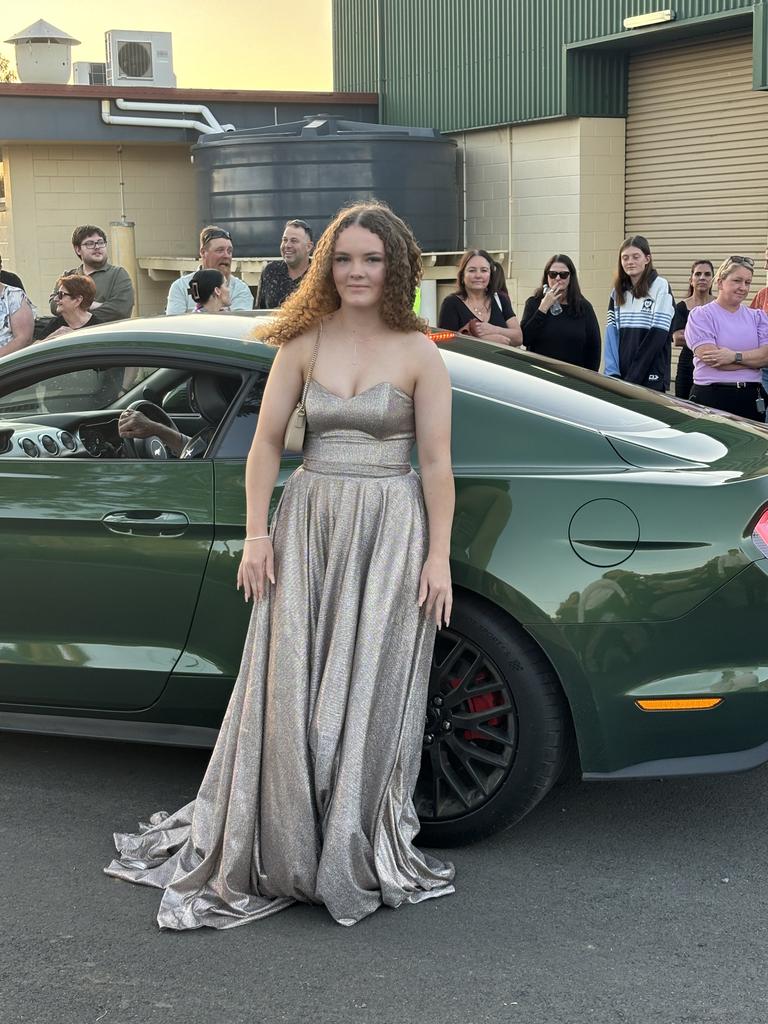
x,y
133,423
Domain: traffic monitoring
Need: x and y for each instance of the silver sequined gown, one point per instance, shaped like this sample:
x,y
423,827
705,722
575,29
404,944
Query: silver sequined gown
x,y
308,794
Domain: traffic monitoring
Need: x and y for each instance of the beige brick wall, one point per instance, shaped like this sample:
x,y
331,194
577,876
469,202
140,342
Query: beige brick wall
x,y
551,186
486,184
53,188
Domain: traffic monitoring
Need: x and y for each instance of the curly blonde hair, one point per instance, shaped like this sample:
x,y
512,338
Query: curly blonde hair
x,y
317,296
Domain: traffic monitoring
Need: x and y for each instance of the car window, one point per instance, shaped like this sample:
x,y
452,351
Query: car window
x,y
238,432
91,389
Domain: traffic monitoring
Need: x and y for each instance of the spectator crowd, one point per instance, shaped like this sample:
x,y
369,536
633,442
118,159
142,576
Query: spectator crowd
x,y
723,361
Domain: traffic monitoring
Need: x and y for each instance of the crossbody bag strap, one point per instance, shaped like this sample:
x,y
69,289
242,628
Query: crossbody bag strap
x,y
307,382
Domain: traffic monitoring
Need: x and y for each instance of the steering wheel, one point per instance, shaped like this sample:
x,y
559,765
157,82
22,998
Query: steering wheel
x,y
148,447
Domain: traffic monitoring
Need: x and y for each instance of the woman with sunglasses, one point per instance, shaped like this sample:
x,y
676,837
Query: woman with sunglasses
x,y
699,294
558,321
73,297
729,342
637,346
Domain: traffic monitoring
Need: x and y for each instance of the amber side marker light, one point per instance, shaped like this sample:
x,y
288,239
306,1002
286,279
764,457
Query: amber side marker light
x,y
686,704
442,335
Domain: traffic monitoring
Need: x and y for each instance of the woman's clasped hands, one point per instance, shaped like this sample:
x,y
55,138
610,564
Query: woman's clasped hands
x,y
717,356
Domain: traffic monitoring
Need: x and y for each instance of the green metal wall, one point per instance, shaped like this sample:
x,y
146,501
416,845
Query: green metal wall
x,y
459,64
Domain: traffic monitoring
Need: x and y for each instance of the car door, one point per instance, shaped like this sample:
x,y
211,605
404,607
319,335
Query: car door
x,y
102,556
212,656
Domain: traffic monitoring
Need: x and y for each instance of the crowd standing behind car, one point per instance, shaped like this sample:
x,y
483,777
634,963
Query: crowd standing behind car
x,y
558,321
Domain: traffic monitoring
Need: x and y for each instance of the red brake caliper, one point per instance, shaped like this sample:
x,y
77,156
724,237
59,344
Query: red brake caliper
x,y
483,702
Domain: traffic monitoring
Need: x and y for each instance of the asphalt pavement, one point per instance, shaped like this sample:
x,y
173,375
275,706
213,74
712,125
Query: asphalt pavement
x,y
609,904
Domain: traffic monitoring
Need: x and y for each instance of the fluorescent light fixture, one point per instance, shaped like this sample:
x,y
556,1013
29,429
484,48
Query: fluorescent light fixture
x,y
654,18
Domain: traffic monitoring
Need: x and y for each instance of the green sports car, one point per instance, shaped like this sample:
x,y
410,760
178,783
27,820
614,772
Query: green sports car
x,y
609,553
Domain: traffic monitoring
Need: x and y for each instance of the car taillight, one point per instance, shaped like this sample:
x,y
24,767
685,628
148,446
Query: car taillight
x,y
760,534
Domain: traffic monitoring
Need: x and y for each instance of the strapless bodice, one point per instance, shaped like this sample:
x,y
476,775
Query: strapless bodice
x,y
370,434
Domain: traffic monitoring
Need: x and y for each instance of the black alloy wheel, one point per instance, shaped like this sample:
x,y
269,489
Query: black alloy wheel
x,y
497,729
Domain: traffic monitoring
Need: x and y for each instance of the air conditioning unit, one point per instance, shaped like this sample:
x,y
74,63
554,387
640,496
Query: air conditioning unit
x,y
85,72
140,58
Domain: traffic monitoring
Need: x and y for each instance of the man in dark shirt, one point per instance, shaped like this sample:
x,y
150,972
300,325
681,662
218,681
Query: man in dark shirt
x,y
281,278
6,277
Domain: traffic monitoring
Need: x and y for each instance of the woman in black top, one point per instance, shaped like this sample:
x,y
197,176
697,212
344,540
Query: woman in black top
x,y
476,307
571,332
699,294
74,295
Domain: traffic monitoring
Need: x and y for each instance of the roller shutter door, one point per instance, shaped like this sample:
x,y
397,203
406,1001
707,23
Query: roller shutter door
x,y
697,156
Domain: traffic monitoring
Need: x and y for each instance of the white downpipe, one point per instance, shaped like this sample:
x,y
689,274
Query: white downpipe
x,y
181,108
154,122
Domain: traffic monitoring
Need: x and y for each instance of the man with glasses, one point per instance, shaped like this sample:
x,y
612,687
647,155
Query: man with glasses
x,y
114,288
216,253
281,278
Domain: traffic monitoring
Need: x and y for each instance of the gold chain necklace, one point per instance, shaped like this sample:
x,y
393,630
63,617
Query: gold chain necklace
x,y
480,311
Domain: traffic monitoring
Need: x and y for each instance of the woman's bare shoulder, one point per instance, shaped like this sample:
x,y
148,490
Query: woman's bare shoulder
x,y
300,348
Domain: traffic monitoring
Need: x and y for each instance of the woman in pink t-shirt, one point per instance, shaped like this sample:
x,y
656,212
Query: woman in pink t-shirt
x,y
729,342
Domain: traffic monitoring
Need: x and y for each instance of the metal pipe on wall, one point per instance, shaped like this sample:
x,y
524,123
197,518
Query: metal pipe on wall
x,y
122,240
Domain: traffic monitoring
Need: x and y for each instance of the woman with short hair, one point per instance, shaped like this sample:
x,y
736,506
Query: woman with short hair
x,y
729,342
74,295
637,345
476,307
558,321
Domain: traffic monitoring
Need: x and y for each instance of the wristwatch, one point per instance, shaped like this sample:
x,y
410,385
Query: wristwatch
x,y
737,357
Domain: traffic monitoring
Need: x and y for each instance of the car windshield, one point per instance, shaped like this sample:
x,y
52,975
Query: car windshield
x,y
74,391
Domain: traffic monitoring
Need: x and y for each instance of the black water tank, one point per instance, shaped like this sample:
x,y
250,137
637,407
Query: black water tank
x,y
250,182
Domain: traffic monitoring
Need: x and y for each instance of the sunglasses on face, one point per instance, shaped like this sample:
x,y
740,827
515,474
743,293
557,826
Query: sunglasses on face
x,y
59,295
562,274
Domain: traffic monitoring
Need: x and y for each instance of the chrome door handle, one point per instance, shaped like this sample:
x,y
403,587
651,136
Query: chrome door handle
x,y
146,522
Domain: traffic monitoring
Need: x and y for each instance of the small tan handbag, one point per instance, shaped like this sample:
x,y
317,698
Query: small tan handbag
x,y
297,424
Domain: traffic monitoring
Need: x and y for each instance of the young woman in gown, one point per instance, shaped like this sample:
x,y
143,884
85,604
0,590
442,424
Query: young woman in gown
x,y
308,794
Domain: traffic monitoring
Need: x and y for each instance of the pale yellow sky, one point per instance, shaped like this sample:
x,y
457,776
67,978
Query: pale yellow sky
x,y
241,44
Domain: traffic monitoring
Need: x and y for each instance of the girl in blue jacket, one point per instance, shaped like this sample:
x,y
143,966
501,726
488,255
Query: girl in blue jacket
x,y
640,309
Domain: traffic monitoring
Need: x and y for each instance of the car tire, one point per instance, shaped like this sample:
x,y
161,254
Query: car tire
x,y
498,729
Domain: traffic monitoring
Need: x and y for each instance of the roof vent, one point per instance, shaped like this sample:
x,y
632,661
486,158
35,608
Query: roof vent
x,y
43,53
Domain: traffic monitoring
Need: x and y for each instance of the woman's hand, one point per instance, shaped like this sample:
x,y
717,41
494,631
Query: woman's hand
x,y
718,356
256,567
555,294
435,590
482,329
